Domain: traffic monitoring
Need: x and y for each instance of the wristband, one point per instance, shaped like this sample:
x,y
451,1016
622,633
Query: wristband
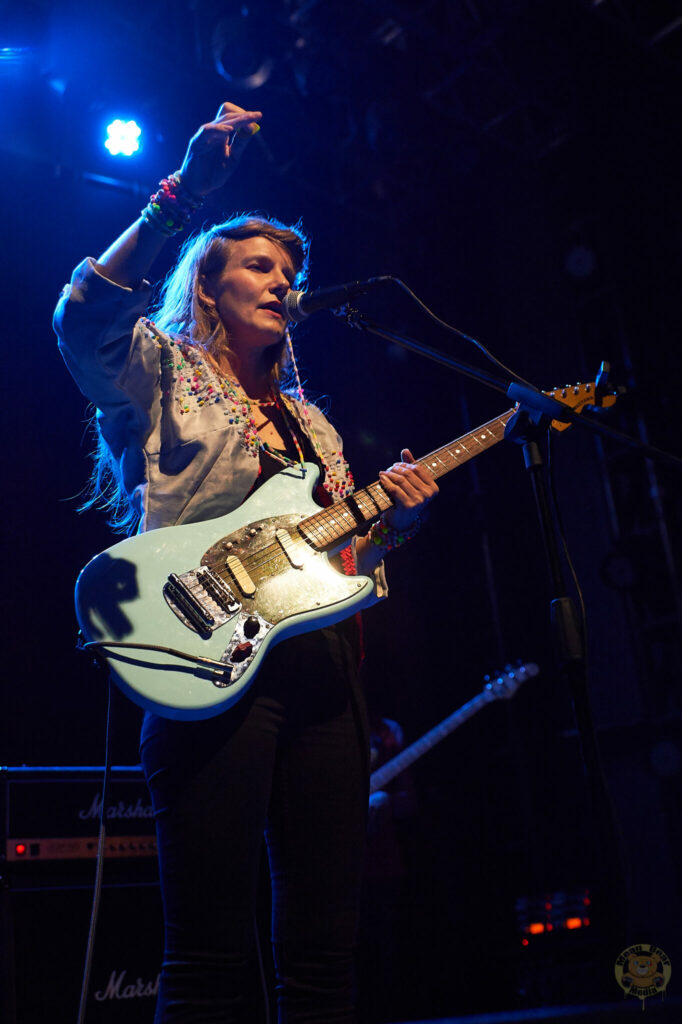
x,y
170,209
386,537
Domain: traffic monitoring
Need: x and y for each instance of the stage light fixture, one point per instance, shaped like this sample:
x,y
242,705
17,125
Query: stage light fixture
x,y
13,55
240,45
123,137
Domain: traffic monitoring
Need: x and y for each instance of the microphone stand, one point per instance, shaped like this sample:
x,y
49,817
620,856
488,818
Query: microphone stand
x,y
531,422
529,398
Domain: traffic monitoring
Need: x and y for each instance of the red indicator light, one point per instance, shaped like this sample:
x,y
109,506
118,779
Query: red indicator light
x,y
548,906
20,849
587,901
573,922
536,928
524,942
586,922
550,927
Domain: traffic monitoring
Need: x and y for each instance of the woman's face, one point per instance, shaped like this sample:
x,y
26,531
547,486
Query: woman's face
x,y
249,291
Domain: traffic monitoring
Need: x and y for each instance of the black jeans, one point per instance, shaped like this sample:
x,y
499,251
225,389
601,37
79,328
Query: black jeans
x,y
289,759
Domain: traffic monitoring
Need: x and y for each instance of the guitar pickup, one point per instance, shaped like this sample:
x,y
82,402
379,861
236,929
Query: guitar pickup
x,y
288,545
244,581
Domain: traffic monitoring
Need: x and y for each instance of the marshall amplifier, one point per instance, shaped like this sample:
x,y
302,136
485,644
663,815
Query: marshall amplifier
x,y
50,822
51,816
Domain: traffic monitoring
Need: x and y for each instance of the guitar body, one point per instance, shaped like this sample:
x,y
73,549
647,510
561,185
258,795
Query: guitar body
x,y
144,590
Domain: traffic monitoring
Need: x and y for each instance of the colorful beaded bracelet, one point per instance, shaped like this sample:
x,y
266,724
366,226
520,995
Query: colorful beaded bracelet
x,y
386,537
170,209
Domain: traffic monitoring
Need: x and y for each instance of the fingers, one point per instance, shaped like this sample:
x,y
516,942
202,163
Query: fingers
x,y
409,484
232,108
240,139
410,487
237,120
230,127
216,148
238,126
410,470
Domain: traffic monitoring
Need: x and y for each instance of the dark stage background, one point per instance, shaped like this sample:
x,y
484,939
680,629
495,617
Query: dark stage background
x,y
517,164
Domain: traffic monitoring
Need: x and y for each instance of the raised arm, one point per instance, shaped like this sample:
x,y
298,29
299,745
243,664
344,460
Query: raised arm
x,y
212,156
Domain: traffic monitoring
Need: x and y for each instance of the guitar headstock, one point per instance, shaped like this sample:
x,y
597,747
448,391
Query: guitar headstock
x,y
503,685
582,396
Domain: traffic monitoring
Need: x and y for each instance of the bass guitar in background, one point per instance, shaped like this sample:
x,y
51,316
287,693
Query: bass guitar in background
x,y
502,686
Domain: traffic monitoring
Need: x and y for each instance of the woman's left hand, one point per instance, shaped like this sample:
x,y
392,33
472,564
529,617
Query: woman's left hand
x,y
411,487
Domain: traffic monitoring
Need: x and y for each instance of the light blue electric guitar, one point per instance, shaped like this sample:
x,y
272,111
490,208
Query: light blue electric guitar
x,y
186,614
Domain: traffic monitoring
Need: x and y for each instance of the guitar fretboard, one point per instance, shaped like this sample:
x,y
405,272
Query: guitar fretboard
x,y
331,525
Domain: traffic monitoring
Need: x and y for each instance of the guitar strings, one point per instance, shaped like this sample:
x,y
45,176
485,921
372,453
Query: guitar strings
x,y
325,523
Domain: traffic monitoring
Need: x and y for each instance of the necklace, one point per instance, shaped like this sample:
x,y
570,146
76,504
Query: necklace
x,y
338,480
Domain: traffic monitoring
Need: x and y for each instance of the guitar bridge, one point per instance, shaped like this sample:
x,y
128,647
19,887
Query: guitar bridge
x,y
200,599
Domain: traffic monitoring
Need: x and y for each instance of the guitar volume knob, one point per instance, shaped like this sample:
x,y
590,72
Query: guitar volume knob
x,y
251,626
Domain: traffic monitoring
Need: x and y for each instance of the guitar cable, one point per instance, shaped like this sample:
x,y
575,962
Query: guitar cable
x,y
93,646
99,870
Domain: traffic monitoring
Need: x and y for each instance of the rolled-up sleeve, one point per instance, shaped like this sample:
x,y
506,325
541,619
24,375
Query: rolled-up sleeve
x,y
94,322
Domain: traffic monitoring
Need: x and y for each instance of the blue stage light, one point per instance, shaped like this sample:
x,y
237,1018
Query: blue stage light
x,y
13,55
123,137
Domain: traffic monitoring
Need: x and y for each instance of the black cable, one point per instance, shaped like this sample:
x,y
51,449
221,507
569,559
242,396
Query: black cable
x,y
261,970
461,334
97,891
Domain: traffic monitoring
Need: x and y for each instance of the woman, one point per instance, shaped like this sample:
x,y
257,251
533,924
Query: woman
x,y
193,415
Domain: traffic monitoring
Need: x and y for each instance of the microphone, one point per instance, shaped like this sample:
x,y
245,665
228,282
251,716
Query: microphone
x,y
300,305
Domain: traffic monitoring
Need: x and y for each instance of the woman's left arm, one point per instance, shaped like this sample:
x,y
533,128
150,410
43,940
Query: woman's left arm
x,y
411,487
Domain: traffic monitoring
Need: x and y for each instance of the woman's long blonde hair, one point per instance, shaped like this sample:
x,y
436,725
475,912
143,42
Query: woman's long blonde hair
x,y
181,308
182,311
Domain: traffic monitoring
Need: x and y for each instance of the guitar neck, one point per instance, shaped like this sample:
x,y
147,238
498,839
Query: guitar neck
x,y
382,776
332,526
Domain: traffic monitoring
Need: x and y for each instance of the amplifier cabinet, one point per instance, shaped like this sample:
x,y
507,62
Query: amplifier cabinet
x,y
50,823
46,954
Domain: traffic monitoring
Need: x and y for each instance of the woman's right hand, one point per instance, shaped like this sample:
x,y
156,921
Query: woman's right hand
x,y
214,152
